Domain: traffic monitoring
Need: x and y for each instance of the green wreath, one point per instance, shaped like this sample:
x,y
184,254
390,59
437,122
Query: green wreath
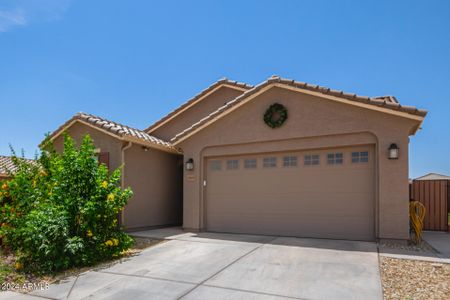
x,y
275,115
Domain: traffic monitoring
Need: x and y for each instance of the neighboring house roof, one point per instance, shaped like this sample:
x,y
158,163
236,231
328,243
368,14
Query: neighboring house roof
x,y
224,82
384,103
7,166
433,176
116,130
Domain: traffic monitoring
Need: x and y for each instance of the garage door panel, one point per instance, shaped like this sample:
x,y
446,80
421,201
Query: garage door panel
x,y
328,201
309,181
312,225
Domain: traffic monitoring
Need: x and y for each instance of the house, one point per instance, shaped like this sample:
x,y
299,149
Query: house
x,y
7,166
279,158
5,161
433,176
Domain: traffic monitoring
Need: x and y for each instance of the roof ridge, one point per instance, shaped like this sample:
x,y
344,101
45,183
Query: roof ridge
x,y
107,120
382,102
115,128
389,97
221,81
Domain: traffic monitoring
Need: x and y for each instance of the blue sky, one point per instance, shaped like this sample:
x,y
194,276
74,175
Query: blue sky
x,y
134,61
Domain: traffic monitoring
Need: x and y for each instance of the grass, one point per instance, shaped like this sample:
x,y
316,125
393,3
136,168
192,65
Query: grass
x,y
9,274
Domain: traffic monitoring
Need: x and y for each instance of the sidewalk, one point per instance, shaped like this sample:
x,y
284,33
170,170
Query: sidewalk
x,y
435,248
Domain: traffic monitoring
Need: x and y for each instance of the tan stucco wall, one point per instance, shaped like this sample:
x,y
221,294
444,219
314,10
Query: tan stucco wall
x,y
313,123
156,180
105,142
153,175
201,109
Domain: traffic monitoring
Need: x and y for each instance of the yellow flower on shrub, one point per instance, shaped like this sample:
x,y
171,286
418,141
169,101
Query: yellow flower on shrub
x,y
111,197
18,266
5,186
104,184
109,243
89,233
43,173
115,242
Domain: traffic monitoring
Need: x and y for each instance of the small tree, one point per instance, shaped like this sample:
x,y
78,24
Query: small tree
x,y
62,211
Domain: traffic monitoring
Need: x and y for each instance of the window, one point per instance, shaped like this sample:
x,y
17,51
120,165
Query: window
x,y
269,162
102,157
250,163
232,164
311,160
290,161
360,157
215,165
335,158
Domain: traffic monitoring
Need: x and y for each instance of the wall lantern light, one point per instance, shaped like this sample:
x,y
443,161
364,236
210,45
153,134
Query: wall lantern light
x,y
393,151
190,164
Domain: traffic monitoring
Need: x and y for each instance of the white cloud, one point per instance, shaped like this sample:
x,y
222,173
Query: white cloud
x,y
12,18
14,13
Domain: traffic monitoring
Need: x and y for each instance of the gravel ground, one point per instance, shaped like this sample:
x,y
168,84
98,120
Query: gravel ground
x,y
410,246
412,279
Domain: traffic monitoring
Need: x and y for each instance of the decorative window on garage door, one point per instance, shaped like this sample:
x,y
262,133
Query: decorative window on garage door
x,y
232,164
270,162
289,161
335,158
312,160
360,157
250,163
215,165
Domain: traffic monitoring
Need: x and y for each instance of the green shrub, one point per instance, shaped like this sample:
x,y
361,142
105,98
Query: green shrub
x,y
43,238
62,211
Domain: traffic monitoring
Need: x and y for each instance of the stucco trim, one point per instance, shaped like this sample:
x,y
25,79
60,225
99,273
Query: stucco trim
x,y
124,138
223,111
190,104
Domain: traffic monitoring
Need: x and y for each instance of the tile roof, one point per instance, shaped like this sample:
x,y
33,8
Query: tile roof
x,y
389,102
118,130
7,166
386,98
433,176
223,81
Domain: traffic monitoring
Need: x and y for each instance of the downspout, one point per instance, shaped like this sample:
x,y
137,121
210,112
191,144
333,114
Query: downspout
x,y
122,181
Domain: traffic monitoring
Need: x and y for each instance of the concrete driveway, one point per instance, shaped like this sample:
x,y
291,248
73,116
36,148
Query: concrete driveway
x,y
224,266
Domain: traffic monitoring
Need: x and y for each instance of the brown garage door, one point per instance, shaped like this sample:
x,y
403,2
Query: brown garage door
x,y
324,194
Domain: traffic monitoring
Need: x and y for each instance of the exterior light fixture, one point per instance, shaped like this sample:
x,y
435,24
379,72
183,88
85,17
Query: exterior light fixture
x,y
393,151
190,164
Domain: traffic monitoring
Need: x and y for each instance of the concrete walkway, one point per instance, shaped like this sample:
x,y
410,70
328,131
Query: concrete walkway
x,y
225,266
440,241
